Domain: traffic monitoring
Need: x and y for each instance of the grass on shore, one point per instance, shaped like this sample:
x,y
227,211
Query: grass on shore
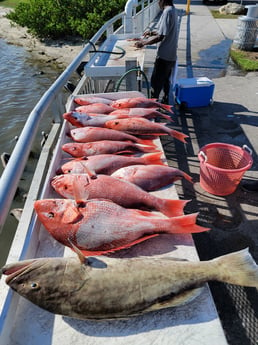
x,y
217,15
246,60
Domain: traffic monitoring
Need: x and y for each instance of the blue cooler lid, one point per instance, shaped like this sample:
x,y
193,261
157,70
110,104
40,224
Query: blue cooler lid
x,y
194,82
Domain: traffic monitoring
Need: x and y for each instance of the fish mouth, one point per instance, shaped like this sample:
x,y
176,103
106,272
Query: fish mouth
x,y
56,178
14,270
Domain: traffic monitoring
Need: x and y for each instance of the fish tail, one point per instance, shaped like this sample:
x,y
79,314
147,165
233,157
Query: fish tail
x,y
148,149
237,268
81,101
147,142
187,177
172,208
66,115
154,158
165,116
186,224
167,107
178,135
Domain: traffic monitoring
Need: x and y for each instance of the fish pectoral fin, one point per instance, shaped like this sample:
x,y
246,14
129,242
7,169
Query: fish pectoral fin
x,y
180,299
80,194
174,258
80,255
71,215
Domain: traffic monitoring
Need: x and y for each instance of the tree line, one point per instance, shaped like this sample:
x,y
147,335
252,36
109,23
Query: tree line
x,y
61,18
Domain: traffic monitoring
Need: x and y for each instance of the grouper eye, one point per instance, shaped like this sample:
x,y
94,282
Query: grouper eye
x,y
34,286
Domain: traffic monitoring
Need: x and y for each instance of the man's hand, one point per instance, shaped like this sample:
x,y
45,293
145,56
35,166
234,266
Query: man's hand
x,y
151,40
139,44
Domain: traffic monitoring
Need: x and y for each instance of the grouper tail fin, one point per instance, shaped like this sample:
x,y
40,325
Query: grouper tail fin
x,y
238,268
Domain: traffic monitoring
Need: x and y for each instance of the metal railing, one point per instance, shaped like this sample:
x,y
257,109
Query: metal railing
x,y
12,173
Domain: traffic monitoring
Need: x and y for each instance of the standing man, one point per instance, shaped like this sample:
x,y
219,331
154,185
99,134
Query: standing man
x,y
166,36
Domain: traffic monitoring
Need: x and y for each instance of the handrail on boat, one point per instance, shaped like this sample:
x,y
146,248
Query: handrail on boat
x,y
16,164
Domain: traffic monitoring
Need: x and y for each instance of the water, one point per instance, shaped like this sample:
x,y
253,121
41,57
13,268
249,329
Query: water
x,y
23,82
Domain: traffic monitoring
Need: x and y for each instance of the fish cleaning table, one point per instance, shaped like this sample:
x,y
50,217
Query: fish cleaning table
x,y
194,323
105,64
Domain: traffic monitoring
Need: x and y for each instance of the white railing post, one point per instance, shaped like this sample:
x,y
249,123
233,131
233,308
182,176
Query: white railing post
x,y
128,23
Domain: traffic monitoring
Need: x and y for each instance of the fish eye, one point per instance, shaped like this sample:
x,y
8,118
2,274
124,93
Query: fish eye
x,y
34,286
74,148
65,187
51,215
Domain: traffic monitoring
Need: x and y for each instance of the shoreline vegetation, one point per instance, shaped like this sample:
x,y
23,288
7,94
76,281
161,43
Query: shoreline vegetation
x,y
58,52
56,31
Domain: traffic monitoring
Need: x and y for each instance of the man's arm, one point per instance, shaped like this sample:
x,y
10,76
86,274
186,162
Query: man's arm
x,y
152,40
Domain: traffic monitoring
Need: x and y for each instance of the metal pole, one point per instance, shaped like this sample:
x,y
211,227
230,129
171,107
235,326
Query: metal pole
x,y
188,6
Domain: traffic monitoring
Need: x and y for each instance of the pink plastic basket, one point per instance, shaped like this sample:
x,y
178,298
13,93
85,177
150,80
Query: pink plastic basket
x,y
222,167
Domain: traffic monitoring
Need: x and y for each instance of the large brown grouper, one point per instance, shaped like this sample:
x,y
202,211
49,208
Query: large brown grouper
x,y
106,288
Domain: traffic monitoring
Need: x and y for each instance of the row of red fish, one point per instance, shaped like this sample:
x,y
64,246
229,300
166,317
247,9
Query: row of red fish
x,y
107,205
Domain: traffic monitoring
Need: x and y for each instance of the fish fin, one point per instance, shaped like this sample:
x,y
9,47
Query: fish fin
x,y
237,268
166,107
71,215
117,246
186,224
178,135
154,158
147,149
80,194
81,101
187,177
160,114
167,117
176,300
147,142
66,116
172,207
81,257
125,152
181,175
89,172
